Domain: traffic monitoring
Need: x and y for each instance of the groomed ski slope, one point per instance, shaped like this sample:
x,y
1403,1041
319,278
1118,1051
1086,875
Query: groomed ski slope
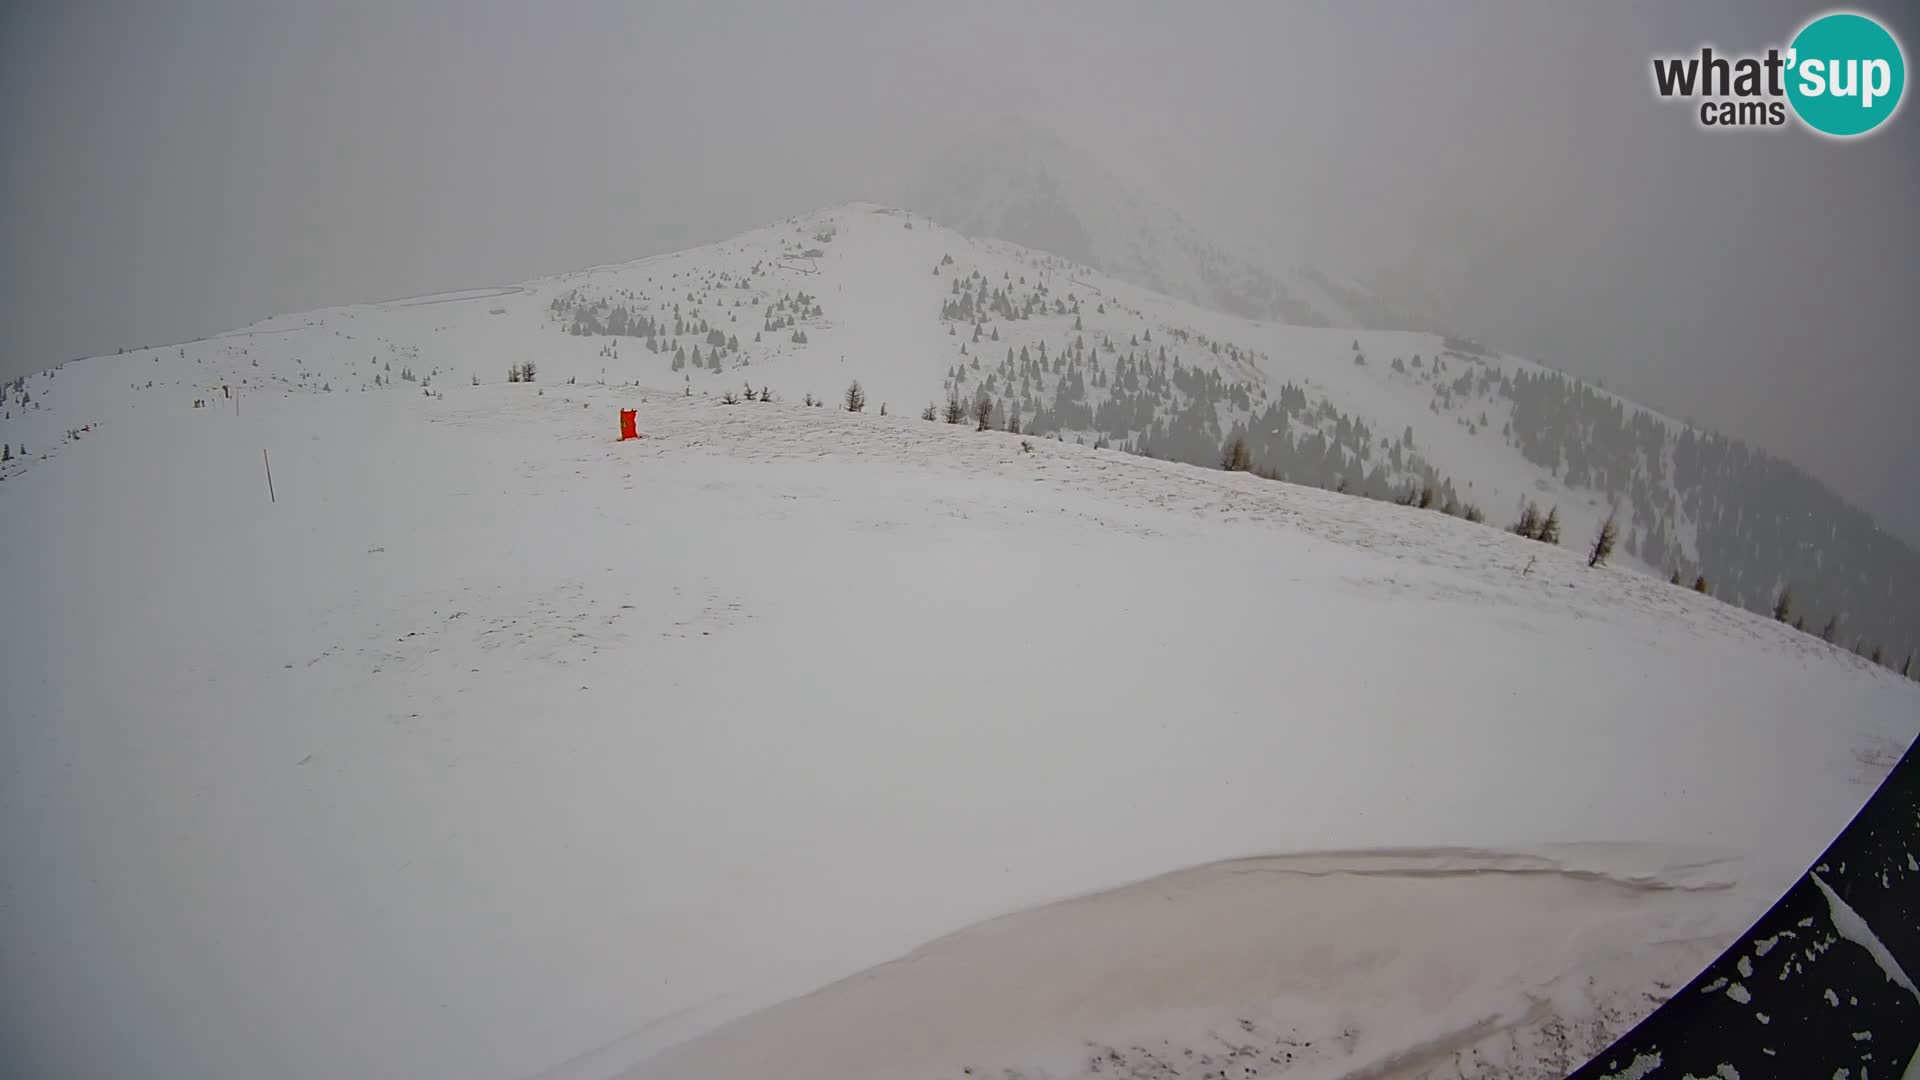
x,y
497,749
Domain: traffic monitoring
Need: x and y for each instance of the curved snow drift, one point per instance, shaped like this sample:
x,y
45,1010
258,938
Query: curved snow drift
x,y
1340,964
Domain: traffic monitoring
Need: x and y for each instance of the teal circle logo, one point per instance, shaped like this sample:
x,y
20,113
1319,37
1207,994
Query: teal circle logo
x,y
1845,74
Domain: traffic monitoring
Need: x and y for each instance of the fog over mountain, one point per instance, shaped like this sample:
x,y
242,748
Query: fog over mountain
x,y
875,538
1015,181
182,169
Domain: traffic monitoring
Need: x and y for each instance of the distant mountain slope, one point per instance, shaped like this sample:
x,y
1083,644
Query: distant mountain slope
x,y
923,315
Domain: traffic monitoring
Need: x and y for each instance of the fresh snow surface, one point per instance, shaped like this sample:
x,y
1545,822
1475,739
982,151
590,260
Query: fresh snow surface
x,y
496,749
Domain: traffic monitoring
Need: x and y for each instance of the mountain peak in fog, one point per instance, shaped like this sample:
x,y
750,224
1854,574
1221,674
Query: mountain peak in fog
x,y
1018,181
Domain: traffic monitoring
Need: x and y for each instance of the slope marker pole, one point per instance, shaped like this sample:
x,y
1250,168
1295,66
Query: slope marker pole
x,y
269,465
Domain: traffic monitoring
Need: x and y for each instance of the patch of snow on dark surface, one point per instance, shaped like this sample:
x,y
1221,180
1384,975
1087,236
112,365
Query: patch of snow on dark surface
x,y
1855,929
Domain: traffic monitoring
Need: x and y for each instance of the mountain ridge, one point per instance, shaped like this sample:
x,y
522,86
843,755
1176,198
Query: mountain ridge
x,y
923,314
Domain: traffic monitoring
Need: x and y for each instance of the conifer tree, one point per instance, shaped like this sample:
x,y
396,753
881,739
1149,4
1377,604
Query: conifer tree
x,y
1603,543
1235,457
1550,528
1529,524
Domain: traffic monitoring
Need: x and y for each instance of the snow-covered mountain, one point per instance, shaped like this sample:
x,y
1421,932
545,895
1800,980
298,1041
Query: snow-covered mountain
x,y
1755,526
488,746
922,314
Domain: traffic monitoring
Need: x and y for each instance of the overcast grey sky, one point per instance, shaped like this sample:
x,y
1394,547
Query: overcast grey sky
x,y
172,169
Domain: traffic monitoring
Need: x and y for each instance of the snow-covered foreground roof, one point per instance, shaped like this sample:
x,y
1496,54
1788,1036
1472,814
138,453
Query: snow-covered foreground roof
x,y
495,748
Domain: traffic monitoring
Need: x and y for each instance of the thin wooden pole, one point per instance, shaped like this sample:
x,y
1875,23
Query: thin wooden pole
x,y
269,465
